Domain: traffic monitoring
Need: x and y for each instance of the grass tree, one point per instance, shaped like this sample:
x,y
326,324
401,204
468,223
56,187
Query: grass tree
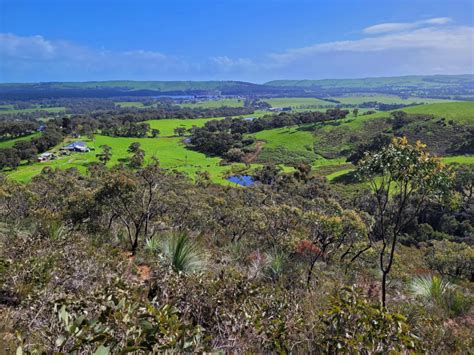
x,y
402,178
184,254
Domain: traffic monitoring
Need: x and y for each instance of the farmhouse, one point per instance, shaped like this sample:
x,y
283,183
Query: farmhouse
x,y
249,118
280,109
77,146
46,156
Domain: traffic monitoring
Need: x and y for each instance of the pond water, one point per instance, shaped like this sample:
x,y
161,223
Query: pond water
x,y
243,180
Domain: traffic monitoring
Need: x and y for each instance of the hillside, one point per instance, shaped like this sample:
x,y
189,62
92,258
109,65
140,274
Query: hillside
x,y
437,86
418,81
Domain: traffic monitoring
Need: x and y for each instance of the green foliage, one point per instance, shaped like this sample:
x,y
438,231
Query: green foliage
x,y
440,293
152,245
431,288
451,259
352,324
184,254
125,324
276,263
402,178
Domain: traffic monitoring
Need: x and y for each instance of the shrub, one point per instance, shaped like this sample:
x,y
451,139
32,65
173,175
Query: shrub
x,y
352,324
442,294
184,254
430,288
451,259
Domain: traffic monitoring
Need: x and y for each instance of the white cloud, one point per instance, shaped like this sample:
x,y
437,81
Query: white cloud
x,y
403,26
423,47
451,47
227,64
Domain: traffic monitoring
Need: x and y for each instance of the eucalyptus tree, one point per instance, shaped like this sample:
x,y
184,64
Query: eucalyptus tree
x,y
402,179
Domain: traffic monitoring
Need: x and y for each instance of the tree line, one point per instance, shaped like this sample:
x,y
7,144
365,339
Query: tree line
x,y
227,136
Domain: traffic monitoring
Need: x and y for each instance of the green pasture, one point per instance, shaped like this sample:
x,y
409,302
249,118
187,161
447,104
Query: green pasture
x,y
8,143
386,99
214,103
171,153
8,109
167,126
296,102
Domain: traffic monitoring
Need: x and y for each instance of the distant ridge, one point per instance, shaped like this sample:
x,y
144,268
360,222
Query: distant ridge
x,y
420,81
440,86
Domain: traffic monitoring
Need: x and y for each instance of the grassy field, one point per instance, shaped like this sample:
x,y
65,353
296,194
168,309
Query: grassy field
x,y
292,138
420,81
167,126
8,109
289,142
296,102
459,159
171,153
8,143
215,103
386,99
461,112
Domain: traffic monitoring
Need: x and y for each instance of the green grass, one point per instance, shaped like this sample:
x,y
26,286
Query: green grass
x,y
420,81
147,85
461,112
296,140
292,138
215,103
460,159
297,102
167,126
8,143
386,99
8,109
171,153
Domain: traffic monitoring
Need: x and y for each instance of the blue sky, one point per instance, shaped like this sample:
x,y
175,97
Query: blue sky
x,y
259,40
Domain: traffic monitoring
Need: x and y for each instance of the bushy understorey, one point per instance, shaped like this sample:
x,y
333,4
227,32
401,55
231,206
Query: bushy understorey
x,y
146,260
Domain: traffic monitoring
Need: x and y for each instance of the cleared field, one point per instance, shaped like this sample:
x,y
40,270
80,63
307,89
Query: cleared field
x,y
386,99
8,109
296,142
461,112
171,153
8,143
460,159
292,138
215,103
297,102
167,126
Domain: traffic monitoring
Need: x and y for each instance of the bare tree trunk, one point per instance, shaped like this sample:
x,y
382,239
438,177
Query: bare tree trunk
x,y
384,289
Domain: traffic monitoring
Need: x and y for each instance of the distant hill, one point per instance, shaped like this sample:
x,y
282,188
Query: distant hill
x,y
437,86
414,81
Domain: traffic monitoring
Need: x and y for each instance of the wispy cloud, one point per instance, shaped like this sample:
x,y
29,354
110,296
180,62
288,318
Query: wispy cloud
x,y
403,26
428,46
423,50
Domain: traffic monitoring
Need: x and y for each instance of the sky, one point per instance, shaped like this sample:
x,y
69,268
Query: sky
x,y
247,40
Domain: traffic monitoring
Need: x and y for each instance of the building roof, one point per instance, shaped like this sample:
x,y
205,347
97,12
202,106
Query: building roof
x,y
77,144
46,154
